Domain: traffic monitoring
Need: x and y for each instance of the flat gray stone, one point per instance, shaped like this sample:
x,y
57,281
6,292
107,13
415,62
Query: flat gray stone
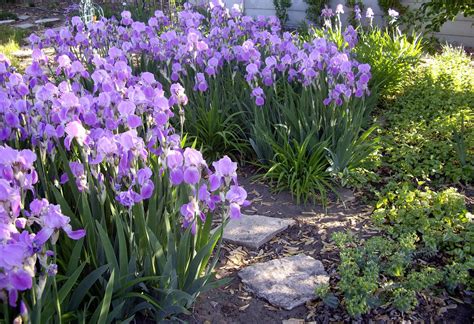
x,y
25,26
23,53
5,22
46,20
288,282
254,230
346,195
23,17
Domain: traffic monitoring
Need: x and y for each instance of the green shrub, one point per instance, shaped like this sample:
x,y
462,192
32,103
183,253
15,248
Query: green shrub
x,y
427,241
6,15
430,134
313,12
136,257
437,12
213,119
281,8
391,56
439,219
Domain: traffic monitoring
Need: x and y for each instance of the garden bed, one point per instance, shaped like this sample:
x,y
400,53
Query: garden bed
x,y
109,190
312,236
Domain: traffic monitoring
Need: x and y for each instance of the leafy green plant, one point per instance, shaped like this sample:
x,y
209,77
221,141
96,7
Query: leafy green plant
x,y
419,142
426,241
323,291
281,8
437,12
139,258
313,12
351,151
391,54
298,167
440,218
213,119
391,57
460,138
385,5
295,124
7,15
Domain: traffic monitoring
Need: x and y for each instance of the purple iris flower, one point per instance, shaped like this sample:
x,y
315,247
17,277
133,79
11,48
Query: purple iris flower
x,y
225,167
191,175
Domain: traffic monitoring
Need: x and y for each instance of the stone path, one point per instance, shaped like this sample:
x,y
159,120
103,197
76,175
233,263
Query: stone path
x,y
253,230
287,282
7,22
31,19
47,20
25,25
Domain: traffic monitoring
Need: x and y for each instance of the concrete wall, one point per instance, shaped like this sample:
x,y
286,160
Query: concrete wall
x,y
460,31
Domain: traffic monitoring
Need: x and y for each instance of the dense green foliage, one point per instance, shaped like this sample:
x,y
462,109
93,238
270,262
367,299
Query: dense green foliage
x,y
429,134
426,238
427,242
391,56
216,121
6,15
125,251
385,5
439,219
303,144
300,168
351,141
313,12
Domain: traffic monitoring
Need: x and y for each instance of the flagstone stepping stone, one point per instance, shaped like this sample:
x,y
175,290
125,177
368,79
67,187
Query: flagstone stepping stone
x,y
23,53
254,230
46,20
288,282
5,22
25,26
23,17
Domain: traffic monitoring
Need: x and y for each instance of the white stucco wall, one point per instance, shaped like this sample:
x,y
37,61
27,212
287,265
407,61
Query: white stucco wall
x,y
460,31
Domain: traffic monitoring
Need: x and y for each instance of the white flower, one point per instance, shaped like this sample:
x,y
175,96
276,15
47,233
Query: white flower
x,y
393,13
369,13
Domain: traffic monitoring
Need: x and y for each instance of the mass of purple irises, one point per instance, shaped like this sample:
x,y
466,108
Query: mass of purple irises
x,y
20,247
112,122
257,47
117,126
